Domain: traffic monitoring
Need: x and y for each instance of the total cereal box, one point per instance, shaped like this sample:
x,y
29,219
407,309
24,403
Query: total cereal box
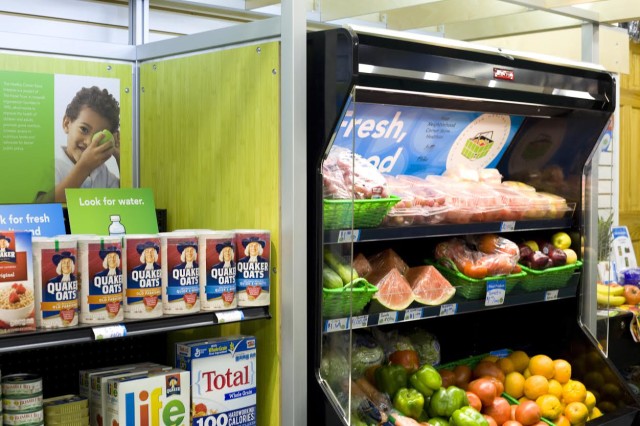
x,y
223,380
17,301
160,399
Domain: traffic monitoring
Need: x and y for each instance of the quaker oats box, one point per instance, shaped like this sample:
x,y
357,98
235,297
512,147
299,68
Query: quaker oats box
x,y
223,379
17,301
159,398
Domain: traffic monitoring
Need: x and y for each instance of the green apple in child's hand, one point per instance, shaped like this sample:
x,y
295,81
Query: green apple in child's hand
x,y
108,137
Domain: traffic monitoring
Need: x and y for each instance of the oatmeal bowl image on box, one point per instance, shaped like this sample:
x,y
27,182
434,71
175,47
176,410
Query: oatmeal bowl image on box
x,y
16,305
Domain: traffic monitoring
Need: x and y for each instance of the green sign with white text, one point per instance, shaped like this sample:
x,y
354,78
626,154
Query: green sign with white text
x,y
112,211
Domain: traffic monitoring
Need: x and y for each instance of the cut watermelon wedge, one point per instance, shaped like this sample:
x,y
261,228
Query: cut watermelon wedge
x,y
428,285
394,292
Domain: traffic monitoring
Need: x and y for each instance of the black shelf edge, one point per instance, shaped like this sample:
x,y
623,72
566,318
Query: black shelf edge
x,y
333,236
456,306
84,332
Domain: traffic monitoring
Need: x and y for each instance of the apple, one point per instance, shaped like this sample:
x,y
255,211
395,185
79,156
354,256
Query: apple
x,y
558,256
572,257
631,294
561,240
532,244
108,137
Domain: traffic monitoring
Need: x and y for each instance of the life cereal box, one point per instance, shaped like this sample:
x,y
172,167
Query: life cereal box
x,y
223,380
16,282
159,399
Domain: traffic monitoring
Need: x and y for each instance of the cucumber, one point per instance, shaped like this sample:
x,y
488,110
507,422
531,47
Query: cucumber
x,y
330,279
346,272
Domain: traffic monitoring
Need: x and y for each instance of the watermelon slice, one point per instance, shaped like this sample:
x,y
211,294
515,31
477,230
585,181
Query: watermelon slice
x,y
394,292
428,285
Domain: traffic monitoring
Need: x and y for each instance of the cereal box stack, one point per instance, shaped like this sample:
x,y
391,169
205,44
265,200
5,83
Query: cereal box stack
x,y
160,397
66,410
223,379
22,399
16,282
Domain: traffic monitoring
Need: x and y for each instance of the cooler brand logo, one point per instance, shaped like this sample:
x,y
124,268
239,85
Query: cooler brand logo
x,y
150,409
228,379
187,276
502,74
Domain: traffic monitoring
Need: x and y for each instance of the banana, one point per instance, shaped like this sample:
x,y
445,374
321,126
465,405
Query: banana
x,y
605,300
616,290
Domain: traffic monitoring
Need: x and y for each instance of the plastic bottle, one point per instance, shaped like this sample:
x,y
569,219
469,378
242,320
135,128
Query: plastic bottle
x,y
116,228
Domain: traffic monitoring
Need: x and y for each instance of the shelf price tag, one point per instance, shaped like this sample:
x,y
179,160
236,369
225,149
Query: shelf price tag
x,y
387,318
229,316
413,314
109,331
360,321
551,295
496,291
448,309
348,235
507,226
338,324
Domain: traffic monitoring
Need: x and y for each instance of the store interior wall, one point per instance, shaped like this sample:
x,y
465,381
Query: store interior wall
x,y
209,149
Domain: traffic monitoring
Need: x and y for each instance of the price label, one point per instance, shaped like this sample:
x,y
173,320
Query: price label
x,y
496,291
448,309
551,295
229,316
349,235
387,318
109,331
339,324
507,226
360,321
413,314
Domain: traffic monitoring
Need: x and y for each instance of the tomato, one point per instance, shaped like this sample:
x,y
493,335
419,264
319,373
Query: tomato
x,y
485,389
631,294
408,358
463,376
513,411
448,378
528,413
500,410
490,420
498,383
511,423
488,368
474,401
472,270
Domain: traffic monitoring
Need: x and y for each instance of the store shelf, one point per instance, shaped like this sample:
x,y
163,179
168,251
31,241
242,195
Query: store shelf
x,y
87,333
396,233
457,306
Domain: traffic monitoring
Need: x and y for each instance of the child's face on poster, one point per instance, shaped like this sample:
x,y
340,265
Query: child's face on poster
x,y
81,130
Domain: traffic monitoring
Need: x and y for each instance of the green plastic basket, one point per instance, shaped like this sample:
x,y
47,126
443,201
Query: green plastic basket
x,y
548,279
366,213
472,288
347,300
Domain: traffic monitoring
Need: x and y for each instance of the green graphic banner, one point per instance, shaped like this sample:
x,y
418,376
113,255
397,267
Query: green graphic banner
x,y
112,211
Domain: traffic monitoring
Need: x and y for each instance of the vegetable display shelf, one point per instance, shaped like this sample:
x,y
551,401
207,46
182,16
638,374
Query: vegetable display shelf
x,y
90,332
456,306
397,233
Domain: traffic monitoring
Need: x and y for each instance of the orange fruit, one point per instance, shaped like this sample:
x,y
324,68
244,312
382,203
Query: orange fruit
x,y
536,386
506,365
562,370
490,358
514,384
520,360
542,365
550,406
526,373
555,388
562,421
573,391
590,401
576,413
595,413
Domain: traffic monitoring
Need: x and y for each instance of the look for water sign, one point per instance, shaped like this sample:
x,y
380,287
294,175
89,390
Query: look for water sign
x,y
424,141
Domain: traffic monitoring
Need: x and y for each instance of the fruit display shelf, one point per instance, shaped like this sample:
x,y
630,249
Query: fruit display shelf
x,y
397,233
455,307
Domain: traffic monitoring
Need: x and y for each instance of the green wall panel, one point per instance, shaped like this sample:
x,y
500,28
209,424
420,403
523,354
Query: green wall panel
x,y
209,130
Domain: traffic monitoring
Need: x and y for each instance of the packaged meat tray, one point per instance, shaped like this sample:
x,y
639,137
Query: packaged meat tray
x,y
415,216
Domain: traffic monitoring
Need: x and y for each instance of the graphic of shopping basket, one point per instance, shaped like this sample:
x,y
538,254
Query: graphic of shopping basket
x,y
479,146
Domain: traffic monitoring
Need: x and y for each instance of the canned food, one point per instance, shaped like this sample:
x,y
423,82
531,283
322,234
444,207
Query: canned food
x,y
21,385
28,418
22,404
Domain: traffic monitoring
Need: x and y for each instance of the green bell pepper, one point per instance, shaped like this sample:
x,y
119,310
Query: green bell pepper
x,y
409,402
468,416
427,380
390,378
438,421
447,400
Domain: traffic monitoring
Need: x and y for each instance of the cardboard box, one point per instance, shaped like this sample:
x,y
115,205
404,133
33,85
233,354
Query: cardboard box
x,y
156,399
223,379
17,298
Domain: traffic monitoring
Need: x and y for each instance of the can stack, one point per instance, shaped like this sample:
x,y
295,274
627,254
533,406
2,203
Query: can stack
x,y
22,400
66,410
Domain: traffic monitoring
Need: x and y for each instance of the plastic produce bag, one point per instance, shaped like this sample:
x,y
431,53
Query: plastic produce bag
x,y
366,353
484,256
345,172
426,344
383,262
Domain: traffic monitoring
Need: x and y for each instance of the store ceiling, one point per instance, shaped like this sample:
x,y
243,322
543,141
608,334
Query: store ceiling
x,y
456,19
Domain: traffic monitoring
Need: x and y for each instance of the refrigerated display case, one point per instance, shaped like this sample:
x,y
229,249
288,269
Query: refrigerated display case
x,y
420,149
